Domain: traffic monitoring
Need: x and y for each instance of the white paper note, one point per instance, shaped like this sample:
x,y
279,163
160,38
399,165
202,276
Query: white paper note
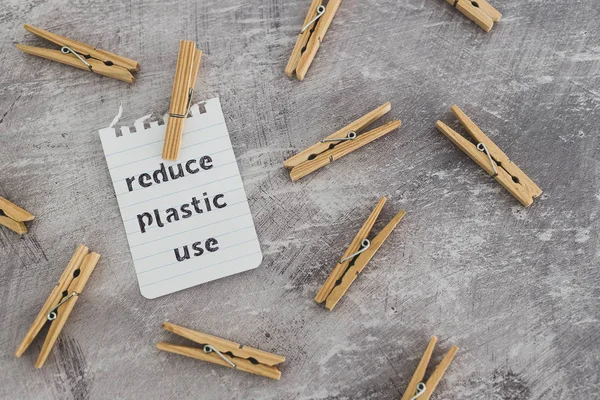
x,y
187,221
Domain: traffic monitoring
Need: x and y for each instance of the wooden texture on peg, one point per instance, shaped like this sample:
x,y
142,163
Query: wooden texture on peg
x,y
361,262
88,57
61,302
231,354
309,40
354,260
435,377
503,170
13,216
341,267
329,150
186,72
478,11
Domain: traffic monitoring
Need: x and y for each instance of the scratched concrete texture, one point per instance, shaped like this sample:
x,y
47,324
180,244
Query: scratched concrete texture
x,y
516,289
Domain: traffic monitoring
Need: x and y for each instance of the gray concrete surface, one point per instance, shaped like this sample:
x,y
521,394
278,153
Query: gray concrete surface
x,y
516,289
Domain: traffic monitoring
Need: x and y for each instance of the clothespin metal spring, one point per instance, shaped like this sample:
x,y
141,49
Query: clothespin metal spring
x,y
52,313
363,246
421,388
210,349
349,136
481,147
189,107
67,50
320,12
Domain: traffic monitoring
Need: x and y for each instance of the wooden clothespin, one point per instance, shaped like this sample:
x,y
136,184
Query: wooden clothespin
x,y
340,143
313,31
356,257
188,63
478,11
489,157
223,352
61,302
12,216
417,389
83,56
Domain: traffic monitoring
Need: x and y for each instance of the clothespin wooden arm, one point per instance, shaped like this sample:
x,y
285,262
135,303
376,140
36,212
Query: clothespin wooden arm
x,y
82,56
506,172
316,38
483,161
69,59
240,363
478,11
420,371
302,40
341,150
361,262
14,212
466,146
82,48
186,72
439,372
241,354
356,126
308,42
87,267
53,299
498,155
61,301
487,8
341,267
15,226
225,345
14,216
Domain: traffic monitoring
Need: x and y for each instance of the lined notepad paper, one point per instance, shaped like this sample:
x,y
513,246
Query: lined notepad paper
x,y
187,221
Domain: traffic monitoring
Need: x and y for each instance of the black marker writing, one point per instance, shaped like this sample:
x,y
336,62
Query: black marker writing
x,y
164,174
211,245
159,218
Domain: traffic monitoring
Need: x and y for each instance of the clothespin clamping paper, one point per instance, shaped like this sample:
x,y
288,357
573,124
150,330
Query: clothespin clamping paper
x,y
313,31
223,352
417,388
489,157
188,63
340,143
12,216
83,56
356,257
61,302
478,11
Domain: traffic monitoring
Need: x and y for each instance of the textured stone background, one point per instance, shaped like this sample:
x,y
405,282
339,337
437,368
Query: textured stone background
x,y
516,289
